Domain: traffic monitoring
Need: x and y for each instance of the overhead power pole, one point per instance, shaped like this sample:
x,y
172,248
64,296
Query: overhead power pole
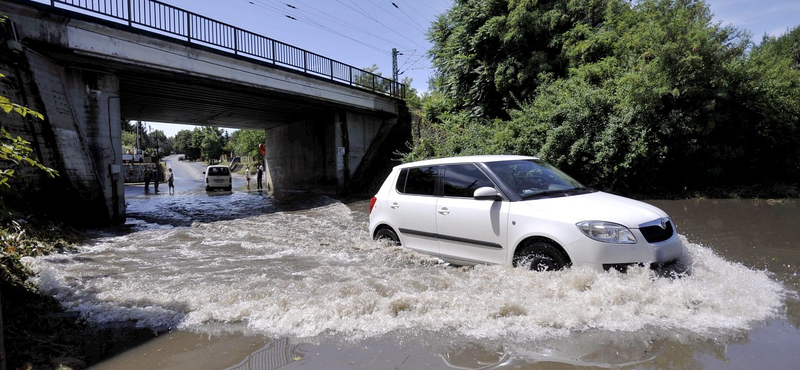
x,y
394,64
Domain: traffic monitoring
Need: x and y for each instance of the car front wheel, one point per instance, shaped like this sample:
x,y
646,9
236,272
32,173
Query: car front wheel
x,y
388,235
541,256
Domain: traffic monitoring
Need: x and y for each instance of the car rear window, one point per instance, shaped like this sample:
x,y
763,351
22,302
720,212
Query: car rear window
x,y
218,171
417,180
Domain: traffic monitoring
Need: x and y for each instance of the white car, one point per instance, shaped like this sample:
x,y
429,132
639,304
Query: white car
x,y
518,211
217,177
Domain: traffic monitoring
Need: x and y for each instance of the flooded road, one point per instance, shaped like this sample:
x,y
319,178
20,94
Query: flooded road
x,y
246,280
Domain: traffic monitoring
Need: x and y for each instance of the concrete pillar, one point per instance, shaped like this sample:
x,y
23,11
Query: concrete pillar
x,y
324,152
298,155
341,150
80,138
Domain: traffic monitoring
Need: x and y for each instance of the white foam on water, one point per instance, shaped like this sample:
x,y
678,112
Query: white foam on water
x,y
316,271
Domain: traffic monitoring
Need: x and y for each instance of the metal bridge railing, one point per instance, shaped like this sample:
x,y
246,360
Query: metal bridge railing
x,y
196,28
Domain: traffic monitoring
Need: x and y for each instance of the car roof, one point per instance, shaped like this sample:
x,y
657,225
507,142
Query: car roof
x,y
465,159
218,165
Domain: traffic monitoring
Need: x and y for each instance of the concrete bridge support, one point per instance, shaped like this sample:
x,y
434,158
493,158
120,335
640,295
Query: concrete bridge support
x,y
79,137
321,153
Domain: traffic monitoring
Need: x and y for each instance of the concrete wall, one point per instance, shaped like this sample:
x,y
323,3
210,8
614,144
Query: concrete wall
x,y
297,157
323,153
79,137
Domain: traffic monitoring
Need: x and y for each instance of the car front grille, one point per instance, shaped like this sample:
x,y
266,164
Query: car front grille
x,y
655,234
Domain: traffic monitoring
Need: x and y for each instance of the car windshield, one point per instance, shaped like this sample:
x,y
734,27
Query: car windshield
x,y
535,178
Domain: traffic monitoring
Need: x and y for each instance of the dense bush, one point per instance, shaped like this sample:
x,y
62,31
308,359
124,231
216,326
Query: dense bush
x,y
655,97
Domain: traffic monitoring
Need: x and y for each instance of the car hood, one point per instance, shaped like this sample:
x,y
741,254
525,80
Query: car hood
x,y
598,206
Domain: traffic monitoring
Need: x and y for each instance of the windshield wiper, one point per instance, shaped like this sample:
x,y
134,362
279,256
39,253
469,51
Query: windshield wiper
x,y
581,190
545,193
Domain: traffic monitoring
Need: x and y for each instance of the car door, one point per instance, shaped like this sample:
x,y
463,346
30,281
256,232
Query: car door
x,y
413,208
470,231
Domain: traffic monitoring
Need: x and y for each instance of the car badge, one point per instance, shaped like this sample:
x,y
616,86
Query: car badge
x,y
664,223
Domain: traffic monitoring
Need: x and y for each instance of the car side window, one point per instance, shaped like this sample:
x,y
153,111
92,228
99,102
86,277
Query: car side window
x,y
461,180
400,186
420,180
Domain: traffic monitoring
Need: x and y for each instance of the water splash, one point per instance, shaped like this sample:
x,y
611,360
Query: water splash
x,y
307,272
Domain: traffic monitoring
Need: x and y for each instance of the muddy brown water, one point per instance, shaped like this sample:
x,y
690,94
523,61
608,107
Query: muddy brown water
x,y
247,280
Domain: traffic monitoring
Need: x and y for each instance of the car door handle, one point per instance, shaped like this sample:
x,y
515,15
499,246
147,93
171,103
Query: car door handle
x,y
444,211
394,206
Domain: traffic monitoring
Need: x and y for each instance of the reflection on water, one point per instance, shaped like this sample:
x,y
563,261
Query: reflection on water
x,y
303,270
274,355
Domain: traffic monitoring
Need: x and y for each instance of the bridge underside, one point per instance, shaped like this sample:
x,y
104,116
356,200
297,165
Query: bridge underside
x,y
186,100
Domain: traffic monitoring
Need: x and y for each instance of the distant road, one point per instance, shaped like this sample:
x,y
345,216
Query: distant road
x,y
188,178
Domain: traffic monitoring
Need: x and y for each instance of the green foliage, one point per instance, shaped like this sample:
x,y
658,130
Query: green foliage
x,y
643,97
16,151
203,142
7,106
212,142
128,140
245,142
159,143
490,54
413,99
183,144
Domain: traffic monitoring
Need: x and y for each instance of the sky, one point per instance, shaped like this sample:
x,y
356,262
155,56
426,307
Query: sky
x,y
362,33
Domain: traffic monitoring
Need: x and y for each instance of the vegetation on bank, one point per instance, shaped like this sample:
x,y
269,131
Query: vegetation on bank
x,y
32,334
38,334
650,97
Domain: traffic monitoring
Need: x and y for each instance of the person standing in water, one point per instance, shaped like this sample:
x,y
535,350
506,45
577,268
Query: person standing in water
x,y
171,182
247,176
259,175
155,179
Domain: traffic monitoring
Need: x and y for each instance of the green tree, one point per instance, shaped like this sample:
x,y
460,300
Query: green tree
x,y
413,98
15,151
372,79
245,142
491,54
159,145
211,142
183,144
655,97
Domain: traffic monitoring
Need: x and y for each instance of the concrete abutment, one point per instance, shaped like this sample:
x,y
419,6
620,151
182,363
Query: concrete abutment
x,y
79,137
326,152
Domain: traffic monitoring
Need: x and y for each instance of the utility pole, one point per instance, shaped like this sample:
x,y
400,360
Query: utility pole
x,y
394,64
395,75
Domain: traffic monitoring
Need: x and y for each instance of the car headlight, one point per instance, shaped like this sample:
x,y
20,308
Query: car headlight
x,y
607,232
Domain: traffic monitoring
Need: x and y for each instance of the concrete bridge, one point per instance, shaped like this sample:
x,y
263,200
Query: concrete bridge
x,y
329,126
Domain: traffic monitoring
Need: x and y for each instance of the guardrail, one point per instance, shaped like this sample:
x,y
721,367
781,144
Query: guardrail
x,y
202,30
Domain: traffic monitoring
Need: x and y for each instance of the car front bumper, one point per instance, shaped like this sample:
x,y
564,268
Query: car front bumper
x,y
606,256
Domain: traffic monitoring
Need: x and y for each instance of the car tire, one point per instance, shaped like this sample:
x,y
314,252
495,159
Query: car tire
x,y
541,256
387,234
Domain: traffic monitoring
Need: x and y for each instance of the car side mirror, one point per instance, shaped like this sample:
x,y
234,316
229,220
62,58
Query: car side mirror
x,y
486,193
